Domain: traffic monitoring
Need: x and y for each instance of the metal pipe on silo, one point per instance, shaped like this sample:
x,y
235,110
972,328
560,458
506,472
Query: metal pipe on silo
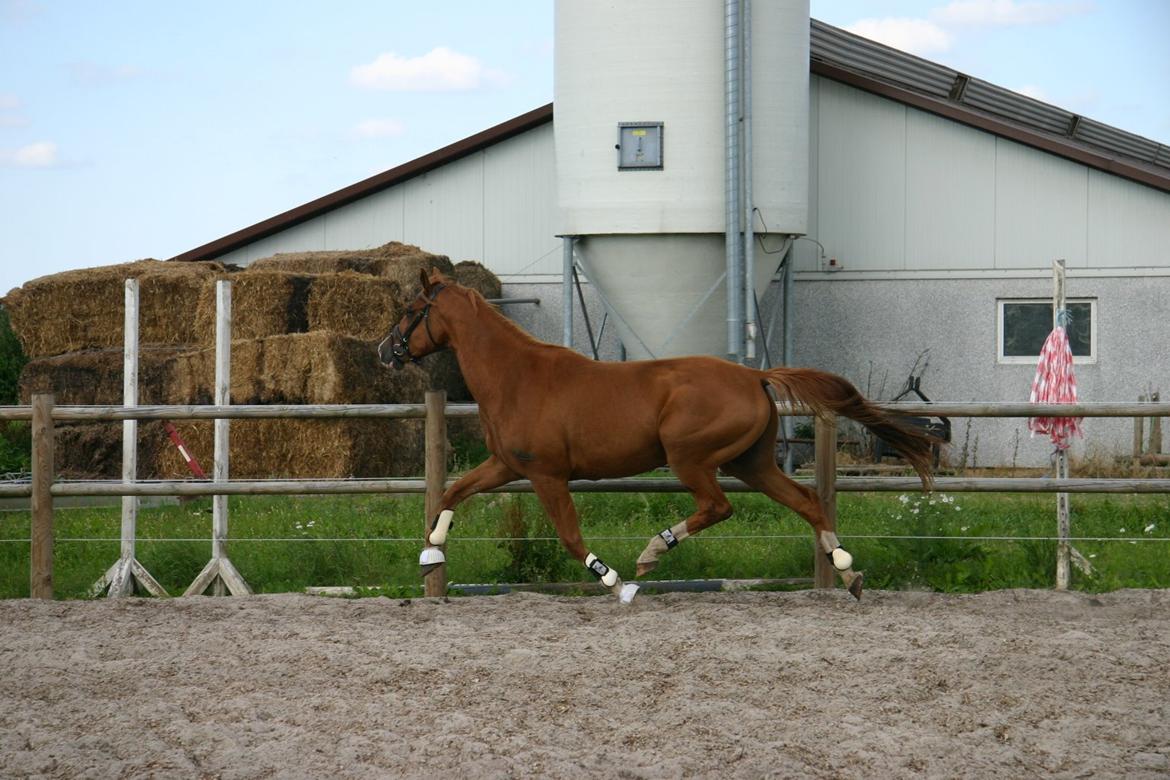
x,y
731,45
786,357
749,258
567,290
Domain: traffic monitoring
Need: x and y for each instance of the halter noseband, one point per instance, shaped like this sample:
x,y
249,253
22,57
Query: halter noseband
x,y
400,339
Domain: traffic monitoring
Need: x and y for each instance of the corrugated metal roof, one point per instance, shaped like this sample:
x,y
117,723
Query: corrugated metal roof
x,y
836,47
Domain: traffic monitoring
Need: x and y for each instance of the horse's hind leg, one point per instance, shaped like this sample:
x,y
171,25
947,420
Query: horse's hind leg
x,y
758,470
557,501
712,507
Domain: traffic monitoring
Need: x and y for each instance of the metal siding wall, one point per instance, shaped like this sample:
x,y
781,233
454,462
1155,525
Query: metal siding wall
x,y
1041,208
1129,225
444,209
861,167
520,211
807,254
950,194
305,237
369,222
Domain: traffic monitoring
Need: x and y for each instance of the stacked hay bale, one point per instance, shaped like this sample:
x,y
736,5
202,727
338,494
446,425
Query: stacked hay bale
x,y
70,325
304,328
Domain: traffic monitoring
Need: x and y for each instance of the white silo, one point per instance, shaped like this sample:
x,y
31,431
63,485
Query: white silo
x,y
640,124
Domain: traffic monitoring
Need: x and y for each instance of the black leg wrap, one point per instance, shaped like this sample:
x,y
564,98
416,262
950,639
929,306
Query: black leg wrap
x,y
669,538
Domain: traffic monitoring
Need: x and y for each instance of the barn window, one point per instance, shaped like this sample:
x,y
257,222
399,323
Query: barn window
x,y
1024,324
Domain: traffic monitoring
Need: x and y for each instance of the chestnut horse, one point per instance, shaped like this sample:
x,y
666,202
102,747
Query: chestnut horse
x,y
551,415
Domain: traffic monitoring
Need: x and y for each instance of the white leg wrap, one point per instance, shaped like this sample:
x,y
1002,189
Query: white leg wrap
x,y
431,556
442,526
841,559
608,576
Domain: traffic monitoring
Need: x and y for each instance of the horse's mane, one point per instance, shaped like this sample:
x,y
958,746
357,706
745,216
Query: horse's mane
x,y
481,307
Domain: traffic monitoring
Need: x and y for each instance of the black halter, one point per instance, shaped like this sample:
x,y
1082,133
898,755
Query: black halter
x,y
400,339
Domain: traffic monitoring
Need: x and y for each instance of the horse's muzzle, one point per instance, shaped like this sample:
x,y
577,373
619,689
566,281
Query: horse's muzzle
x,y
393,350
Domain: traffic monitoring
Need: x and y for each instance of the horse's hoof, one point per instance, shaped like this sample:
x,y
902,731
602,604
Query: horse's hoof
x,y
645,567
855,586
427,569
627,592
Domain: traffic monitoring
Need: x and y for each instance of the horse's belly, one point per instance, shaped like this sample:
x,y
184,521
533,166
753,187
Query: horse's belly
x,y
616,454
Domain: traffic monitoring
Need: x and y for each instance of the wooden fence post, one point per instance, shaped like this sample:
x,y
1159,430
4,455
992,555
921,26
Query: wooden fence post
x,y
1155,429
41,554
826,467
435,582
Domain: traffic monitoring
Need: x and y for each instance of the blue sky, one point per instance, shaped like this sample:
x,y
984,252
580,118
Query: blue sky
x,y
134,128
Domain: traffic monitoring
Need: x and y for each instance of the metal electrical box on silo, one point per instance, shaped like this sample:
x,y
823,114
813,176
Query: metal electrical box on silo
x,y
639,132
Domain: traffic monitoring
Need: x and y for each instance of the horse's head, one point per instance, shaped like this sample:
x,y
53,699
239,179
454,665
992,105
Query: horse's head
x,y
417,334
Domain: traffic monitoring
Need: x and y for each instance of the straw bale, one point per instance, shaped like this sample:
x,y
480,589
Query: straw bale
x,y
95,376
83,309
301,449
396,260
472,274
354,304
302,368
404,268
264,303
94,450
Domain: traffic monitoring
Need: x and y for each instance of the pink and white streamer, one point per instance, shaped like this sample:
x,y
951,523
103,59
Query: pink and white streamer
x,y
1055,383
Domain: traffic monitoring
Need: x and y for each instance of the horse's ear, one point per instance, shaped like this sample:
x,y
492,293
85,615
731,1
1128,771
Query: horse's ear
x,y
426,283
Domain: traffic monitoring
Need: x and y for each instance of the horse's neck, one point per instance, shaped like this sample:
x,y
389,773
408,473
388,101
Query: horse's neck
x,y
493,355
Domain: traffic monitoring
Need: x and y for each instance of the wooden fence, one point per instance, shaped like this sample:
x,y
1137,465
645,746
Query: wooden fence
x,y
44,487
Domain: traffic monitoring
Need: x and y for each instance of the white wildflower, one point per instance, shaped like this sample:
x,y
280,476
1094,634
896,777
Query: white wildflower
x,y
904,498
1150,527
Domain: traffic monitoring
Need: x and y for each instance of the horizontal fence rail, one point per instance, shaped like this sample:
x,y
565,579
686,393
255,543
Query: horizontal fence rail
x,y
415,411
292,487
43,487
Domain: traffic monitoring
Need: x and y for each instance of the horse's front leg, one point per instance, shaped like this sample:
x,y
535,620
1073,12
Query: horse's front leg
x,y
558,504
492,473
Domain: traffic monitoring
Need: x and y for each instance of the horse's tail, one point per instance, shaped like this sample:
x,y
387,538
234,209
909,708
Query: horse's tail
x,y
823,393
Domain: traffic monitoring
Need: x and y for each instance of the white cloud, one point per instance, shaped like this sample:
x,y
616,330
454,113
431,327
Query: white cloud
x,y
42,154
439,70
1006,13
9,102
917,36
379,128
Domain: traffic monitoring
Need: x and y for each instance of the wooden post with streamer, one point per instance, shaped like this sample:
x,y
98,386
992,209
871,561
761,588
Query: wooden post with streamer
x,y
826,473
121,578
220,573
435,581
41,550
1062,518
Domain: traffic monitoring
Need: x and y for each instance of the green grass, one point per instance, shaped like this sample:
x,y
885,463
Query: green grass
x,y
283,544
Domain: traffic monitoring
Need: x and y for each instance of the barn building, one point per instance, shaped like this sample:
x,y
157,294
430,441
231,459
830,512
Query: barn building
x,y
936,204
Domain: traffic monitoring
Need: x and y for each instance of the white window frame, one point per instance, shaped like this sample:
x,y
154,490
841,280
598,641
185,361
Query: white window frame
x,y
1031,361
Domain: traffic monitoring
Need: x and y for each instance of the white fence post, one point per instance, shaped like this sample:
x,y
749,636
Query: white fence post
x,y
220,573
122,576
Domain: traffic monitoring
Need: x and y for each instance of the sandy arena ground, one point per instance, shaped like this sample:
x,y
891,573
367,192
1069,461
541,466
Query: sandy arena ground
x,y
743,685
